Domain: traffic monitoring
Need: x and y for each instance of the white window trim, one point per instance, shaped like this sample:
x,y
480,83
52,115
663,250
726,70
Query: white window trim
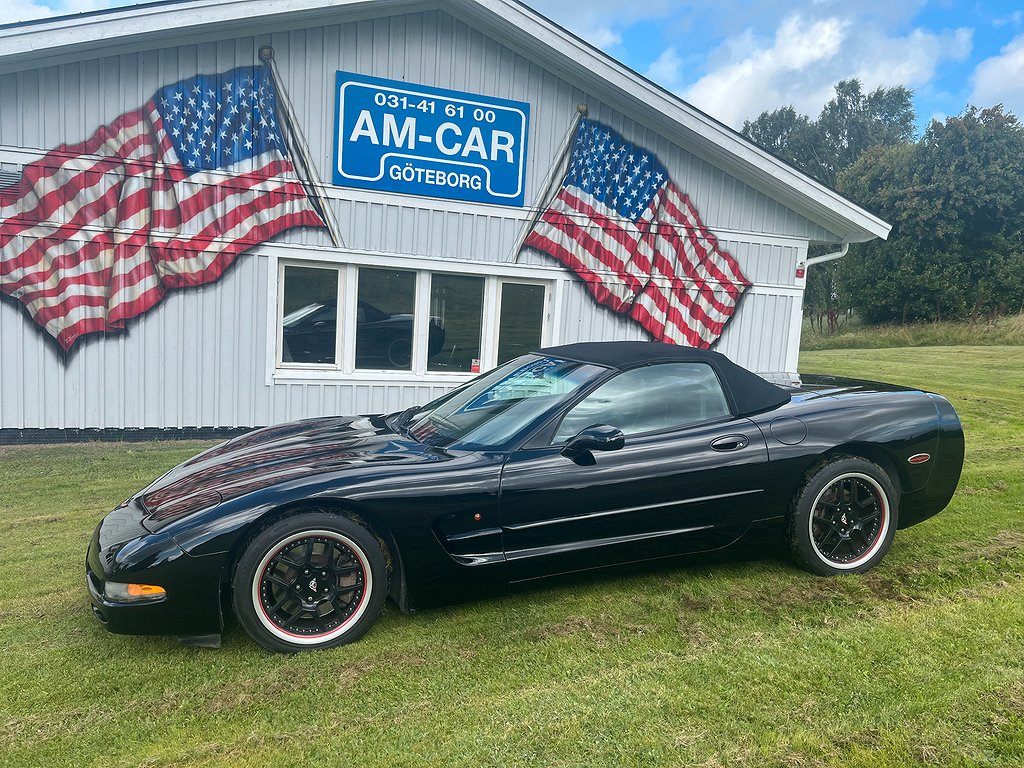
x,y
278,315
494,274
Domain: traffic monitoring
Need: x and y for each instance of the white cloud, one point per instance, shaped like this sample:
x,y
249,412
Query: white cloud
x,y
600,23
24,10
600,35
1000,79
807,57
665,70
1014,19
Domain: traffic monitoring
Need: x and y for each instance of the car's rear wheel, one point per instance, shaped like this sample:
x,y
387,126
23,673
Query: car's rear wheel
x,y
844,518
309,581
400,352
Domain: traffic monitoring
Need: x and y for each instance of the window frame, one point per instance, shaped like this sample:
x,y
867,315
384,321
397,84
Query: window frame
x,y
279,360
351,320
431,274
348,285
495,330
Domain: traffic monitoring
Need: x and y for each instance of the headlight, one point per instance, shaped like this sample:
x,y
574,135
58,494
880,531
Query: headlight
x,y
133,593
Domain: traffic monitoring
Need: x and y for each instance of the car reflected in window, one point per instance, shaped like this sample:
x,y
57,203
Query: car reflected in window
x,y
383,341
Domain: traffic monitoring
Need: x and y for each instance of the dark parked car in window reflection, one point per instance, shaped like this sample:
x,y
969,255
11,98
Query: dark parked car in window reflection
x,y
382,340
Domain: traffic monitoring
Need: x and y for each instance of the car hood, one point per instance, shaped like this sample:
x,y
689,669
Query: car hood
x,y
275,455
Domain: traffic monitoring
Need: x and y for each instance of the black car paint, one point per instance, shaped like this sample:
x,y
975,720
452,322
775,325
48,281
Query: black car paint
x,y
463,524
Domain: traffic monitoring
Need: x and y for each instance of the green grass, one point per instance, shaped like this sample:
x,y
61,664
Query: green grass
x,y
1002,331
737,663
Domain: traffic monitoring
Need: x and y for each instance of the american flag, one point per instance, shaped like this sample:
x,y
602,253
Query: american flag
x,y
165,196
637,242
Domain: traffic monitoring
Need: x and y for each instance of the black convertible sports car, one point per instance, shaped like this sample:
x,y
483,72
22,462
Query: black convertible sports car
x,y
571,458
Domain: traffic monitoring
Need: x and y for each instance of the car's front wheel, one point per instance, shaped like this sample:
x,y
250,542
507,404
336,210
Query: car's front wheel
x,y
311,580
844,518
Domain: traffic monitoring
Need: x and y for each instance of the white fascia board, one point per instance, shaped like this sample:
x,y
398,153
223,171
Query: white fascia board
x,y
68,38
21,45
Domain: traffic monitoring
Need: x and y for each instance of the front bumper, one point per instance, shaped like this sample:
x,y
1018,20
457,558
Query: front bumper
x,y
119,552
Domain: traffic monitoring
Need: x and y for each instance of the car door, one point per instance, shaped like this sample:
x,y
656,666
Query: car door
x,y
690,477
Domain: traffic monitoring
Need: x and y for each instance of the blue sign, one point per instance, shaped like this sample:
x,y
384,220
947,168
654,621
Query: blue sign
x,y
416,140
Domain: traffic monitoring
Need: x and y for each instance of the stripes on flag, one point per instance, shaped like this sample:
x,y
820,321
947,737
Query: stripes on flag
x,y
637,241
93,235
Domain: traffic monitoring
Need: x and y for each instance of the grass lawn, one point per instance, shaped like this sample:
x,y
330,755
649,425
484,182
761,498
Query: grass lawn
x,y
744,662
1002,331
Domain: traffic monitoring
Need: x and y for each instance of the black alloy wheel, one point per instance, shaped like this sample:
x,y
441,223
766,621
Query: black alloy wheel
x,y
844,518
313,580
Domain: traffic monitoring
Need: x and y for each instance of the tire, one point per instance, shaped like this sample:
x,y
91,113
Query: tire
x,y
337,570
844,518
399,352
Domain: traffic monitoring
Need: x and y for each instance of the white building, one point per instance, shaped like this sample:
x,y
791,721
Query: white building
x,y
426,282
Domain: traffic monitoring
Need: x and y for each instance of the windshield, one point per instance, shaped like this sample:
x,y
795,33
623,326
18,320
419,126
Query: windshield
x,y
491,410
300,314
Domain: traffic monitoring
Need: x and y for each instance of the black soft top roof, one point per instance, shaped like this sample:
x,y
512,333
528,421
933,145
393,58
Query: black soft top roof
x,y
748,391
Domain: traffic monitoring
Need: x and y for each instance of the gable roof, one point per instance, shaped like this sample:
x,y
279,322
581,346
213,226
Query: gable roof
x,y
66,39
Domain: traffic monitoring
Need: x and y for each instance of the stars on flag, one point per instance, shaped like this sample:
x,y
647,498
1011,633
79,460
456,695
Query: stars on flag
x,y
615,172
242,109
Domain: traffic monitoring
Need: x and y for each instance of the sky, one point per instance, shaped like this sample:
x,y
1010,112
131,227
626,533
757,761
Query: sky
x,y
736,58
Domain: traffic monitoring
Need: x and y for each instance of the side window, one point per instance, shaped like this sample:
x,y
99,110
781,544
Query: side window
x,y
309,315
385,319
649,399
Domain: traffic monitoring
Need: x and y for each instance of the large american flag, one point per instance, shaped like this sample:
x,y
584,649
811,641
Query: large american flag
x,y
165,196
637,242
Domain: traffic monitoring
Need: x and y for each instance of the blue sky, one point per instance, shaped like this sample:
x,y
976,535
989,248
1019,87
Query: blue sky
x,y
735,58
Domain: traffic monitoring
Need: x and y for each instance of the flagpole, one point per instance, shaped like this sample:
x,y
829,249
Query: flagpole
x,y
547,193
307,176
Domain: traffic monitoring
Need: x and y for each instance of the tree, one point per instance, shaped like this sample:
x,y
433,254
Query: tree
x,y
956,205
848,125
789,136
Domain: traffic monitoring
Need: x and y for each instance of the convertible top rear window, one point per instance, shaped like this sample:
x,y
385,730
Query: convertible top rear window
x,y
649,399
748,392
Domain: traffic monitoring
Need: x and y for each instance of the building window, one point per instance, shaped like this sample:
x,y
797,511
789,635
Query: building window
x,y
456,321
385,312
309,325
353,319
521,319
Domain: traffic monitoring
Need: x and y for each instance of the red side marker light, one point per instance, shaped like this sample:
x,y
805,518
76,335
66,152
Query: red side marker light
x,y
919,458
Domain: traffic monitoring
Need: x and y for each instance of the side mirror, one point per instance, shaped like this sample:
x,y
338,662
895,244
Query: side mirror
x,y
599,437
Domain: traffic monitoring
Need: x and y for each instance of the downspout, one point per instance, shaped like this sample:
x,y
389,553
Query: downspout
x,y
823,258
801,275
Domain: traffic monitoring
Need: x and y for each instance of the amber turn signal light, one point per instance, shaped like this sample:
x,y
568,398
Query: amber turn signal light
x,y
132,593
145,590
